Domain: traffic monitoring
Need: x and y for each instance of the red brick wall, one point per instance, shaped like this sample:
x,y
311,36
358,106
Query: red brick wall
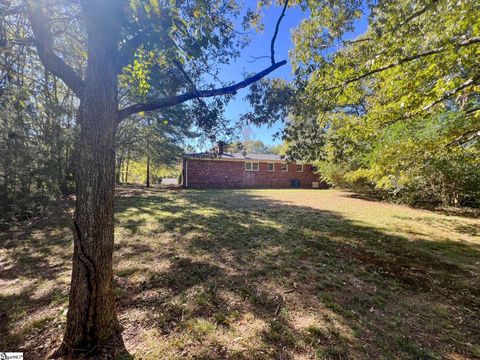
x,y
232,174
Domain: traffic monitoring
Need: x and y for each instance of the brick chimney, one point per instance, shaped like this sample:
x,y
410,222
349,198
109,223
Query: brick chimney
x,y
221,146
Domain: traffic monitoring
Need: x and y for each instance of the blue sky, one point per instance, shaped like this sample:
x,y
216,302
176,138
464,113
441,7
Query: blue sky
x,y
260,46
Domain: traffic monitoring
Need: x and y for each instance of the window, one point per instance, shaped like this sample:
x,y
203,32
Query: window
x,y
284,167
271,167
300,168
251,166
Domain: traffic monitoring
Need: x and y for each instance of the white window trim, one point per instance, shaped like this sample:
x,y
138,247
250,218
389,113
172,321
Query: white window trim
x,y
251,166
286,168
273,167
298,166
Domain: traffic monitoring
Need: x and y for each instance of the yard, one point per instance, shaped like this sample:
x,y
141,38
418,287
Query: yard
x,y
260,274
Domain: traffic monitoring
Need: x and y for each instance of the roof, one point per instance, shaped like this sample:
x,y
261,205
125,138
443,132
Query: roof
x,y
237,156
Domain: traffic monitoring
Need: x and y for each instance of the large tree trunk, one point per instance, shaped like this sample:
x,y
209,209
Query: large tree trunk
x,y
147,182
126,167
148,155
92,325
118,171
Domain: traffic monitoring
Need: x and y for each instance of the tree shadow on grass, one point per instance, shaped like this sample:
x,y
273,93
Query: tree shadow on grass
x,y
317,283
31,322
465,212
34,263
229,274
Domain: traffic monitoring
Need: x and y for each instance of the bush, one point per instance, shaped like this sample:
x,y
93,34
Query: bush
x,y
449,178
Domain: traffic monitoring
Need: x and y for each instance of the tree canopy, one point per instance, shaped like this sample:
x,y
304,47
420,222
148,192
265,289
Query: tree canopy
x,y
395,109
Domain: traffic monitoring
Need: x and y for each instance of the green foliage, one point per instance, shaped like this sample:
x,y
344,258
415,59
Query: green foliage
x,y
173,47
395,110
37,134
137,172
253,146
270,100
154,138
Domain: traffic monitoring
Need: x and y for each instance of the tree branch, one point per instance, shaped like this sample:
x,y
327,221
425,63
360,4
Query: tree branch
x,y
275,34
452,92
255,58
464,138
395,28
7,10
359,40
185,75
197,94
472,110
178,99
414,15
404,60
44,44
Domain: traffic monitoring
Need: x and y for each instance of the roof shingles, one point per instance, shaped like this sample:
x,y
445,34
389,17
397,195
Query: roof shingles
x,y
237,156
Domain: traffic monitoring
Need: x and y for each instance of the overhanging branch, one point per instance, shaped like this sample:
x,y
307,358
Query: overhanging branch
x,y
275,33
44,44
452,92
198,94
404,60
178,99
472,110
415,14
465,138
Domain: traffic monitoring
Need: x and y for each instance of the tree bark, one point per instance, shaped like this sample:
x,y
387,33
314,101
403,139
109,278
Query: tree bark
x,y
126,167
147,183
148,155
118,173
92,325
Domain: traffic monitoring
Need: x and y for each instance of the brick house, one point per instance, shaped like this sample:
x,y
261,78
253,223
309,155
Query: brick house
x,y
242,170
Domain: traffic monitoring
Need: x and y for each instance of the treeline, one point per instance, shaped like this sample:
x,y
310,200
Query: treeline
x,y
253,147
395,112
38,112
38,132
37,135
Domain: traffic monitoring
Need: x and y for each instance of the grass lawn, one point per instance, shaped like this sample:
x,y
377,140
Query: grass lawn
x,y
260,274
